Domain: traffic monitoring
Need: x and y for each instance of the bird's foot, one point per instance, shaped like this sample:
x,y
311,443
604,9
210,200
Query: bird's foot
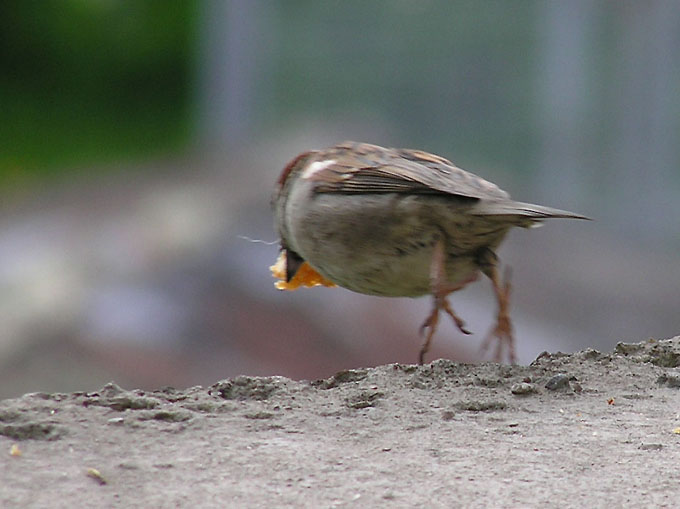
x,y
502,333
440,290
430,323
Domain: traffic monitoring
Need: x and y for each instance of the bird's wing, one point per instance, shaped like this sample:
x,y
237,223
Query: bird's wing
x,y
362,168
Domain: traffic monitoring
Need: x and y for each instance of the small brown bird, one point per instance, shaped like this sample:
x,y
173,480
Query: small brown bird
x,y
397,223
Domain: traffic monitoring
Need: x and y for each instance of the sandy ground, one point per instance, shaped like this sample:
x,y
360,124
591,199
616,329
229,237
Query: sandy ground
x,y
582,430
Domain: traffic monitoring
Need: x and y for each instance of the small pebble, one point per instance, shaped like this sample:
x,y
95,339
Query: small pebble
x,y
671,381
523,388
448,415
557,382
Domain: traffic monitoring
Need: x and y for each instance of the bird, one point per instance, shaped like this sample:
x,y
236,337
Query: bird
x,y
396,222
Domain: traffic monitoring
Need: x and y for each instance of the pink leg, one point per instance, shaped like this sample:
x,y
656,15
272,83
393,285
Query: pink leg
x,y
441,288
502,332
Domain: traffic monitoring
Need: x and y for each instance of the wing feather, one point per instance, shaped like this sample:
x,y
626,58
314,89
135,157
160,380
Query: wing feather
x,y
362,168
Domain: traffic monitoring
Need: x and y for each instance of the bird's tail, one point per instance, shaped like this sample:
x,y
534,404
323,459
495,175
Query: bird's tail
x,y
524,210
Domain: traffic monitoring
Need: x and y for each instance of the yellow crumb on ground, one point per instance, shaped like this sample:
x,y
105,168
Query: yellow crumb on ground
x,y
95,474
306,276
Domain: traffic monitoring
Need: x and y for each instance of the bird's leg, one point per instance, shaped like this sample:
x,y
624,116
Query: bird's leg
x,y
502,332
440,289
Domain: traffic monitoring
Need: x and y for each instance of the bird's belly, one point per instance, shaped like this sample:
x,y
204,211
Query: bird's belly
x,y
386,250
405,276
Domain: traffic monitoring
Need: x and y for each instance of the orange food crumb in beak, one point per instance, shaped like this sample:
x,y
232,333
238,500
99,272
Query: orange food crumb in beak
x,y
306,276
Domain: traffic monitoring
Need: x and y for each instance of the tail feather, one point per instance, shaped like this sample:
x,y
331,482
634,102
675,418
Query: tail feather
x,y
526,210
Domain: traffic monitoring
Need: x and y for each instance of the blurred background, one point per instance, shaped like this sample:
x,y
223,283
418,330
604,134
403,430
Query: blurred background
x,y
140,141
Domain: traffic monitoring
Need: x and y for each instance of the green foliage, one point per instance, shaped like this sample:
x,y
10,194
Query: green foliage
x,y
86,81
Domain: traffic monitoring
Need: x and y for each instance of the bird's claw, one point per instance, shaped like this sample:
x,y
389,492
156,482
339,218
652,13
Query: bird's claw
x,y
502,332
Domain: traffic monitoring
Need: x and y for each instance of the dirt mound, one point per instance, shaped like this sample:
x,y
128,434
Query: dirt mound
x,y
579,430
